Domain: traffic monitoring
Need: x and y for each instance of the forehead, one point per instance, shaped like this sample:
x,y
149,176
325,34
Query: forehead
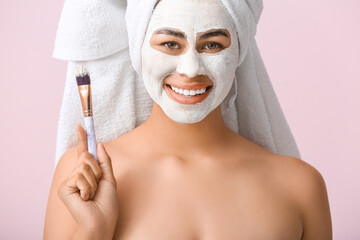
x,y
190,15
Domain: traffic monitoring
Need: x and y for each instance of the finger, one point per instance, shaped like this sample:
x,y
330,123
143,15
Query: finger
x,y
66,188
84,186
90,178
105,164
82,140
90,160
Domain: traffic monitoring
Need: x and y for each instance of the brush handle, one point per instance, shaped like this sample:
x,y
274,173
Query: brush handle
x,y
91,140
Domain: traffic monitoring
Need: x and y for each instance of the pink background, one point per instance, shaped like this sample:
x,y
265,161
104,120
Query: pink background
x,y
311,50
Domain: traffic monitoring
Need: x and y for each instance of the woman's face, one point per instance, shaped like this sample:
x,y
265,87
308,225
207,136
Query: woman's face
x,y
189,57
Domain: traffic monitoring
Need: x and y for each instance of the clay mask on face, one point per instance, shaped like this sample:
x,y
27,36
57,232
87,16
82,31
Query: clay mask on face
x,y
191,17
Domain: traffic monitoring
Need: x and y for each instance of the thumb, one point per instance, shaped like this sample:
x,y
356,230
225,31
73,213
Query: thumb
x,y
105,164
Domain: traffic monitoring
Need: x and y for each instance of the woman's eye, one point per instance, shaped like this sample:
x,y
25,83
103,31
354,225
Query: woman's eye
x,y
213,45
171,45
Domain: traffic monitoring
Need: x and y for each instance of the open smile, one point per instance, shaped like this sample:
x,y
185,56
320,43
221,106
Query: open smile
x,y
188,94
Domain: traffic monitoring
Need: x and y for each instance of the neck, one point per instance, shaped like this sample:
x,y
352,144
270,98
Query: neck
x,y
184,139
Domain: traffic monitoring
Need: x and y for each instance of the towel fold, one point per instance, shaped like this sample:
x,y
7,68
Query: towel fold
x,y
106,37
90,29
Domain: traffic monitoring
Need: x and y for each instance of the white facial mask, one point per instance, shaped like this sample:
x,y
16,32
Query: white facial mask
x,y
190,17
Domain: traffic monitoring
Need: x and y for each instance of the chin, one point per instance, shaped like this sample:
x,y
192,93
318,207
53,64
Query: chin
x,y
184,116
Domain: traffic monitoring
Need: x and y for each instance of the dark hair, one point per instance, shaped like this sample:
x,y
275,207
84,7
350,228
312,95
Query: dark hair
x,y
156,4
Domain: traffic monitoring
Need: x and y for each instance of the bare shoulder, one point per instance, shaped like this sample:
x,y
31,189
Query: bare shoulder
x,y
122,150
302,173
307,187
303,180
66,163
59,224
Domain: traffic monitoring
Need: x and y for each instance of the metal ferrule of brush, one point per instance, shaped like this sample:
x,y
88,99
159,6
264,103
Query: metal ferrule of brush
x,y
85,98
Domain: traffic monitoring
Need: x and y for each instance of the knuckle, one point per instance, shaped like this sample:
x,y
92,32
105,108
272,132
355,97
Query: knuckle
x,y
81,157
68,180
84,167
72,176
60,190
78,176
86,191
98,175
84,155
89,159
93,187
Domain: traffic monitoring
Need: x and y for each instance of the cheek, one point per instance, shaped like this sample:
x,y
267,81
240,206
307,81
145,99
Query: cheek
x,y
158,65
221,65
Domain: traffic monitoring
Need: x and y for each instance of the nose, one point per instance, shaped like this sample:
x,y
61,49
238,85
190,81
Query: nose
x,y
191,64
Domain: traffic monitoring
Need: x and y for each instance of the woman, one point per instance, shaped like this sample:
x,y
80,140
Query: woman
x,y
183,174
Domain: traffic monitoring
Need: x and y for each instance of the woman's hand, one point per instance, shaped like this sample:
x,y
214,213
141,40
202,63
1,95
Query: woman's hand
x,y
90,192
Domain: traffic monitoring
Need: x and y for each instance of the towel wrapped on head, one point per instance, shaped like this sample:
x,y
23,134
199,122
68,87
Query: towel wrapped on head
x,y
112,54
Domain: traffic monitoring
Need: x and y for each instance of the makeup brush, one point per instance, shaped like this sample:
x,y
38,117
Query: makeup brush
x,y
84,86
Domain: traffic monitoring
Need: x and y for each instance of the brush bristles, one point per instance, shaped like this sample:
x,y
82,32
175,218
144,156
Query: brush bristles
x,y
82,75
81,71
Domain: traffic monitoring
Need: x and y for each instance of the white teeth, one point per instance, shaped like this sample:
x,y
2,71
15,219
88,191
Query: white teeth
x,y
187,92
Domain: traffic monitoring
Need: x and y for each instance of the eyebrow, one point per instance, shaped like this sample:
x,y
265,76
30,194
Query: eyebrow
x,y
214,33
178,34
171,32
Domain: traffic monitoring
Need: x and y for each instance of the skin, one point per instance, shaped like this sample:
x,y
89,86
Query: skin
x,y
199,181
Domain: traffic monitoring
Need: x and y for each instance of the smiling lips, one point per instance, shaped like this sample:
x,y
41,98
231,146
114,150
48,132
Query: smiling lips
x,y
189,94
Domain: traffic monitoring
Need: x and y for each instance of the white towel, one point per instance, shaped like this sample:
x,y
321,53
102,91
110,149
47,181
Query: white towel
x,y
90,29
111,53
